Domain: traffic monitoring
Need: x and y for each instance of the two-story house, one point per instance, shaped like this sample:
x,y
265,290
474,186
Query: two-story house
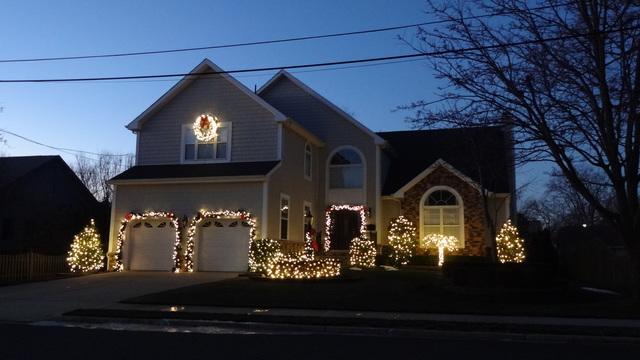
x,y
284,159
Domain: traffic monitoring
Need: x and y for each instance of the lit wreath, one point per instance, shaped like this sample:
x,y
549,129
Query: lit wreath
x,y
242,215
205,127
328,223
174,222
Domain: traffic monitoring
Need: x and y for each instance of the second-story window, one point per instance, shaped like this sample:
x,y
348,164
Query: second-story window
x,y
217,149
284,217
307,161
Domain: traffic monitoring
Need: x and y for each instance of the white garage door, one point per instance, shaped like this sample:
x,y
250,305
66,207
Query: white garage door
x,y
151,246
223,246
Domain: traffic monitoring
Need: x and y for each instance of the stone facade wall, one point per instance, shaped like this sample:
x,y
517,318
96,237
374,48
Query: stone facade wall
x,y
474,223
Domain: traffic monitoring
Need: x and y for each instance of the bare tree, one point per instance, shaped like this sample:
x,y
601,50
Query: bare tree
x,y
95,173
563,75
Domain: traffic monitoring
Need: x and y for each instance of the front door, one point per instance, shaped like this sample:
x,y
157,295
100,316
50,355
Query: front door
x,y
345,226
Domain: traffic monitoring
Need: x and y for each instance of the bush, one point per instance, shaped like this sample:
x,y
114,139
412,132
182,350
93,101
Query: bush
x,y
362,253
510,275
262,253
403,240
301,268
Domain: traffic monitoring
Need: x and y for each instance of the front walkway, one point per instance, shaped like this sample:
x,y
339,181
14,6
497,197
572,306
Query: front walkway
x,y
44,300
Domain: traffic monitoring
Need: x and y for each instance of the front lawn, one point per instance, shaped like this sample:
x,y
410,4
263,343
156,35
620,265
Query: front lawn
x,y
395,291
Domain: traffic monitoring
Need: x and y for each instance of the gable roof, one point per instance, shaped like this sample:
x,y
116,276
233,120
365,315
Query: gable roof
x,y
285,74
16,167
468,152
204,68
186,171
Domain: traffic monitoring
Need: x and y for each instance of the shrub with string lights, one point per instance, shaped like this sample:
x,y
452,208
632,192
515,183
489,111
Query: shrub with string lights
x,y
302,267
403,240
442,243
86,250
362,252
510,244
263,253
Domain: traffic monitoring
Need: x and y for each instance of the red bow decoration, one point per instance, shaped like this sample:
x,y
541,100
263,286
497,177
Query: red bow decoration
x,y
204,122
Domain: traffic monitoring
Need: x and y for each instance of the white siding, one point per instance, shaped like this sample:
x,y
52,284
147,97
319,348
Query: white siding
x,y
254,136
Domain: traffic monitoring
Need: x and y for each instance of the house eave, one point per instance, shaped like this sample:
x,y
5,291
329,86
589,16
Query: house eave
x,y
190,180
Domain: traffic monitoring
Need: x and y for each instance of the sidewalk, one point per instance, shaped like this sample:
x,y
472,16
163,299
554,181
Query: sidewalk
x,y
627,328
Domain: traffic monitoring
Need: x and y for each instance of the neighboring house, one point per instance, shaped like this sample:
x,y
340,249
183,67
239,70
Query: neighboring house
x,y
292,159
43,204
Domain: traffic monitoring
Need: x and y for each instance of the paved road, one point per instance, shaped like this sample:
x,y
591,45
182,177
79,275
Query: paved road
x,y
20,341
43,300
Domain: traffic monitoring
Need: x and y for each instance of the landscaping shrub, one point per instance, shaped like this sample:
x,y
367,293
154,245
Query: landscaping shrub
x,y
262,253
403,240
301,268
510,275
362,252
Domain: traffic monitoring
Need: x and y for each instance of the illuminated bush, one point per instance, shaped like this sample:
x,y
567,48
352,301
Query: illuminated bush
x,y
510,245
301,267
86,251
442,243
262,253
362,252
403,240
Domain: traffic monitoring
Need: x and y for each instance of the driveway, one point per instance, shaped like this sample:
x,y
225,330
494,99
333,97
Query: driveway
x,y
45,300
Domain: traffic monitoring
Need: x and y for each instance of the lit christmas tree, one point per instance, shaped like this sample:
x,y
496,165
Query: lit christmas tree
x,y
510,245
86,250
403,240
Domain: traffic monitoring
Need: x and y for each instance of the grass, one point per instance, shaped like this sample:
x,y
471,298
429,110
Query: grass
x,y
396,291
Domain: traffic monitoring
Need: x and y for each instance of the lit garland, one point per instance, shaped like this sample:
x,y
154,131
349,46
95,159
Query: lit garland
x,y
403,240
328,223
510,245
263,253
205,127
118,265
442,242
218,214
302,268
86,250
362,252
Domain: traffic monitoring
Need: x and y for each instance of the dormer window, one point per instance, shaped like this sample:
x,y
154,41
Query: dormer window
x,y
216,150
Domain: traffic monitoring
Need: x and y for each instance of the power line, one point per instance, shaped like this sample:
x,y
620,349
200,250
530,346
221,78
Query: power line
x,y
273,41
65,150
324,64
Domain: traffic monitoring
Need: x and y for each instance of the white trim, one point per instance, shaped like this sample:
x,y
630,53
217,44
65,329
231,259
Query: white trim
x,y
400,192
205,66
280,218
279,142
377,139
265,210
328,173
300,130
186,127
460,205
193,180
304,165
137,160
378,197
112,221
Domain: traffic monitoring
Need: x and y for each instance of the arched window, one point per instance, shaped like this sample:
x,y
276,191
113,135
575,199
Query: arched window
x,y
346,170
443,213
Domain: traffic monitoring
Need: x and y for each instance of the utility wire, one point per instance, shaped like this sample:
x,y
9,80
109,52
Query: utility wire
x,y
66,150
273,41
331,63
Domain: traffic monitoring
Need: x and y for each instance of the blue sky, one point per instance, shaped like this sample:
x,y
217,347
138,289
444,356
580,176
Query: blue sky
x,y
91,116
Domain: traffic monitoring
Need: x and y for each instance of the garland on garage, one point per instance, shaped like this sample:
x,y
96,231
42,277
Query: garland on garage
x,y
129,217
361,209
245,217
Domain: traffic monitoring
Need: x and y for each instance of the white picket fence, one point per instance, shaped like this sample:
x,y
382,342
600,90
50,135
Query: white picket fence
x,y
31,266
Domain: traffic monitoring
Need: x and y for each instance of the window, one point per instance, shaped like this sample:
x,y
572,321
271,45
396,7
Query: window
x,y
346,170
307,161
442,213
284,217
216,150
